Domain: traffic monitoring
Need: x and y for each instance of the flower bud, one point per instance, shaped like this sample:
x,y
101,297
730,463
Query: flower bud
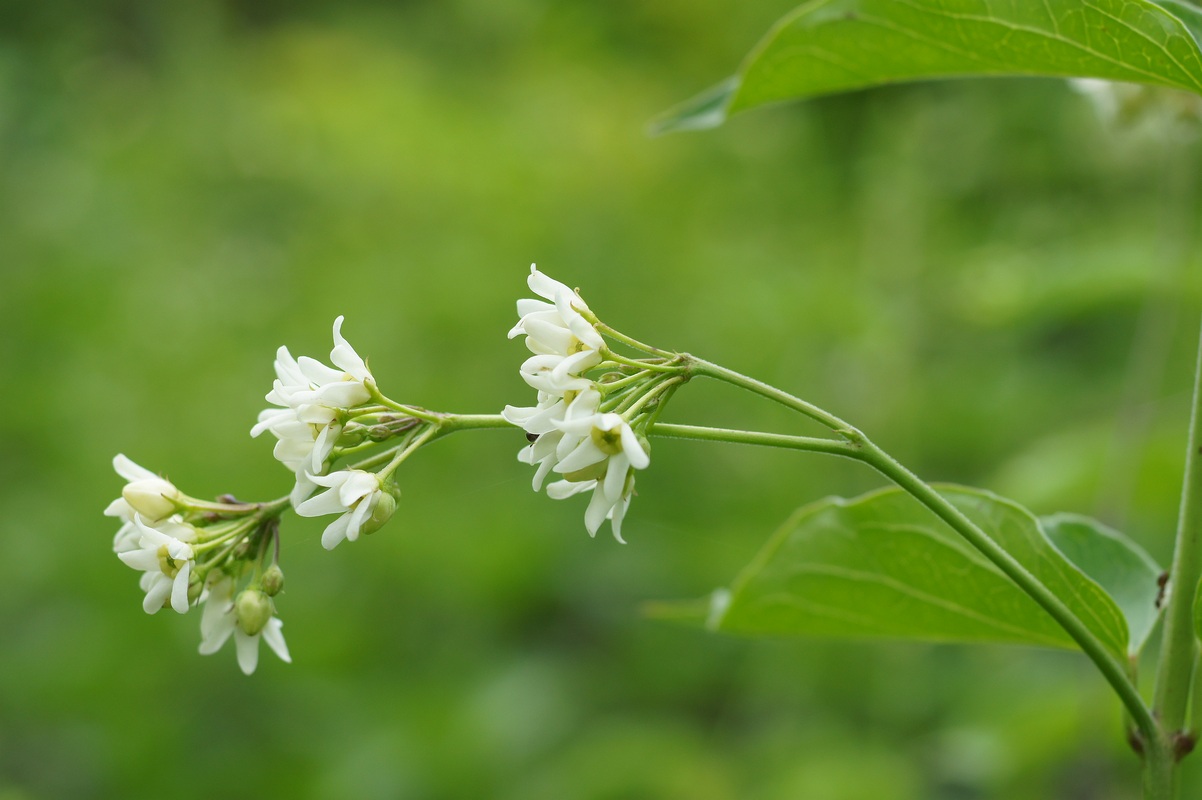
x,y
383,510
272,580
252,610
154,499
196,585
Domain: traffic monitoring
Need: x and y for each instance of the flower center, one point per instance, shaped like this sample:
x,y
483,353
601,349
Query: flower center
x,y
608,442
167,564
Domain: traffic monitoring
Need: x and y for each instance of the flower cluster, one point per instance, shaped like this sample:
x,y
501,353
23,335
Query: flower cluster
x,y
192,552
591,433
320,408
587,430
314,403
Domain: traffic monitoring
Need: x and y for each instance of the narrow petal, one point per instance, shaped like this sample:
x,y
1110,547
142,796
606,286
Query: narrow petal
x,y
248,651
157,594
585,455
335,533
634,449
120,509
274,636
344,356
563,489
129,470
616,515
615,476
598,509
179,589
322,504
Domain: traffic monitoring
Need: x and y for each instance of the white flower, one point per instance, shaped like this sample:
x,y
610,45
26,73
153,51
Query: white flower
x,y
357,496
544,421
307,382
165,556
594,452
540,419
220,620
312,398
145,494
564,343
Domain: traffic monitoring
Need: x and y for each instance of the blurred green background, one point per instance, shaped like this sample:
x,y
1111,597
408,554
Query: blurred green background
x,y
996,286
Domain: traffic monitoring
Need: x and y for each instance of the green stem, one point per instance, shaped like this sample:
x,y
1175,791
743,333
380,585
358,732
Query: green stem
x,y
1160,762
466,422
699,367
804,443
860,448
626,340
1112,668
1178,645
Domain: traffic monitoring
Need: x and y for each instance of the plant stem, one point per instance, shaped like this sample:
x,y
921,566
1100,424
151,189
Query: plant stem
x,y
1112,668
805,443
699,367
860,448
1178,649
1160,779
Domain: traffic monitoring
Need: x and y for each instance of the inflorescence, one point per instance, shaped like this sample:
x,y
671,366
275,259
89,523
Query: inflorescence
x,y
588,428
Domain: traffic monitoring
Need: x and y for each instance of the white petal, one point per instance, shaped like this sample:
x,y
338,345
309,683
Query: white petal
x,y
157,594
585,455
344,356
274,636
179,589
616,515
303,489
358,484
354,519
634,449
129,470
563,489
598,509
343,394
615,476
248,651
318,506
335,532
120,509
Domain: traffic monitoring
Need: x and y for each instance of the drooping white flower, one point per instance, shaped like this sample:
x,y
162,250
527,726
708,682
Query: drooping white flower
x,y
165,556
598,452
543,422
144,494
357,496
593,451
564,343
308,382
541,418
220,620
312,399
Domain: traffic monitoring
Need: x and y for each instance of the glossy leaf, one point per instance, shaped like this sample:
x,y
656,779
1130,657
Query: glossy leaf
x,y
882,565
832,46
1118,565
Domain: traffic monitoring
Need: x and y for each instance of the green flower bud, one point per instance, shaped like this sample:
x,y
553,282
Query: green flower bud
x,y
591,472
382,512
272,580
196,585
252,610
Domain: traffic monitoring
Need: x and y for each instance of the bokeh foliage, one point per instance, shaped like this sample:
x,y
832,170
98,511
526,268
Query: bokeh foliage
x,y
996,287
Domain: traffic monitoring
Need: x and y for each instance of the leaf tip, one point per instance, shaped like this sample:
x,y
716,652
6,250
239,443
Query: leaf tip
x,y
706,110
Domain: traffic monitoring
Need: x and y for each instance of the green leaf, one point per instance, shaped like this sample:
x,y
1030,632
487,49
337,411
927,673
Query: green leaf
x,y
882,565
1118,565
831,46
